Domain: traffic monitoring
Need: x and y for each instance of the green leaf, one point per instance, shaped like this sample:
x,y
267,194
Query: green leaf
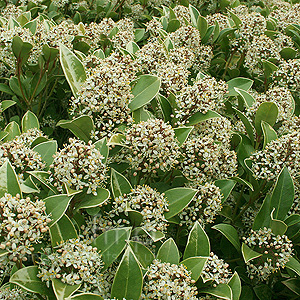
x,y
29,121
112,243
5,104
283,194
197,243
202,26
86,296
294,265
268,132
128,281
268,112
132,47
248,126
63,290
173,25
288,53
182,134
42,176
235,285
56,206
168,252
81,127
29,187
73,69
117,140
278,227
165,107
27,279
101,145
237,21
195,265
200,117
142,253
119,184
243,181
139,34
248,99
155,235
226,186
240,83
292,220
194,15
62,231
248,253
140,115
21,49
293,284
46,150
91,200
49,53
263,218
178,199
263,292
268,67
230,233
8,180
146,88
13,130
222,291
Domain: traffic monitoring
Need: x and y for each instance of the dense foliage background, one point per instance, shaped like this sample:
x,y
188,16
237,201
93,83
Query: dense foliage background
x,y
149,149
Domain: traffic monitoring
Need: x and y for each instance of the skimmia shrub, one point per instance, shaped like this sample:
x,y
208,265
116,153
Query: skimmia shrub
x,y
149,149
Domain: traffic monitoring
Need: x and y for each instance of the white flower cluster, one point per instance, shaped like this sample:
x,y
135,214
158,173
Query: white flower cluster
x,y
276,251
151,145
281,96
216,269
106,93
219,129
60,3
285,151
15,294
289,125
205,94
262,47
23,223
125,33
165,281
204,160
220,18
20,155
11,11
182,14
252,25
148,202
204,206
73,262
295,209
288,75
79,166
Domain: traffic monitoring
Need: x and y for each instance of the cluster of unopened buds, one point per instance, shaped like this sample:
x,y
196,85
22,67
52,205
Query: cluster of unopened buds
x,y
275,251
23,223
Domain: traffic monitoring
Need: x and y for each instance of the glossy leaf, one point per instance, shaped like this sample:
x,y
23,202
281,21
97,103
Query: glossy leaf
x,y
111,243
62,231
63,290
168,252
268,132
56,206
178,199
197,243
27,279
182,133
294,265
248,126
86,296
226,186
195,265
119,184
248,99
202,26
222,291
73,69
128,281
101,145
5,104
13,130
200,117
248,253
235,285
81,127
194,13
263,218
46,150
142,253
240,83
91,200
268,112
293,284
283,194
30,121
146,88
230,233
8,180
